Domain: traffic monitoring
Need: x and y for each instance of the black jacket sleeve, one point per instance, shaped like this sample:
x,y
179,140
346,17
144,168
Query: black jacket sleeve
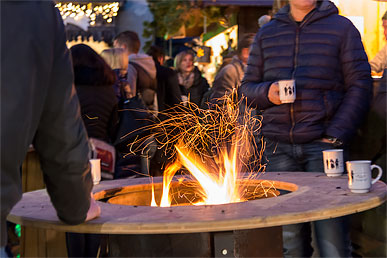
x,y
61,139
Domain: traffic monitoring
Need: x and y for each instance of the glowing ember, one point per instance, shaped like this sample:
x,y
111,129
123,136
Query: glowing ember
x,y
215,145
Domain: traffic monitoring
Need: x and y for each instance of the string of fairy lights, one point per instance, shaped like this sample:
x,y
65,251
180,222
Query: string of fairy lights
x,y
90,10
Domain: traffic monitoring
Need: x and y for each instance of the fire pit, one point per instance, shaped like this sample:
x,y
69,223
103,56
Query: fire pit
x,y
185,192
313,196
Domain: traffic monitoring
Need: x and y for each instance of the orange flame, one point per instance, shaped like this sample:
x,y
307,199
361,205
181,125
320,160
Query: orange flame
x,y
214,145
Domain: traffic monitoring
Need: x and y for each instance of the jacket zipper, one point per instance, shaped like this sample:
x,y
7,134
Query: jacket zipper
x,y
294,72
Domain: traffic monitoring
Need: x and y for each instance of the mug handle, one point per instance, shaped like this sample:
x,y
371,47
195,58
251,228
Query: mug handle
x,y
379,174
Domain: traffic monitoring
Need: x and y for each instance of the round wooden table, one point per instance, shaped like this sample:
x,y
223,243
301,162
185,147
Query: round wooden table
x,y
314,196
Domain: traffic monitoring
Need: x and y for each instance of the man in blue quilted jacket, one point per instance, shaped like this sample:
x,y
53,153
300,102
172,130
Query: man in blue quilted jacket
x,y
322,51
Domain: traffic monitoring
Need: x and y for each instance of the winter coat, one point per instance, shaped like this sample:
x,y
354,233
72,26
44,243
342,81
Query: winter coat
x,y
39,106
325,56
142,79
168,91
379,62
146,62
99,110
198,88
228,78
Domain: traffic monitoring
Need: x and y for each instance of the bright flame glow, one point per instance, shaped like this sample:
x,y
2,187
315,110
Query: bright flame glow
x,y
217,146
153,202
168,175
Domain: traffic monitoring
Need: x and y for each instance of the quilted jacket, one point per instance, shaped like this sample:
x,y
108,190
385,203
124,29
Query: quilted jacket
x,y
325,56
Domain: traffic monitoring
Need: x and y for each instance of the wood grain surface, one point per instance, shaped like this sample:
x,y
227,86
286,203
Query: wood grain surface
x,y
314,197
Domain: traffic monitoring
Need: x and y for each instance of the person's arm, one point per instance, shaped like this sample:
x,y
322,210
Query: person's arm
x,y
61,139
253,87
358,87
379,62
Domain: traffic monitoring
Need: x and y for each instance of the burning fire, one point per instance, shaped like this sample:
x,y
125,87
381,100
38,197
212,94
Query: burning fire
x,y
217,146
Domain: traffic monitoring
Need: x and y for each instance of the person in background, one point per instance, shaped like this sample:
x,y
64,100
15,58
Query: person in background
x,y
322,51
370,144
118,60
94,81
168,91
142,80
263,20
141,69
192,84
168,96
379,62
39,106
230,76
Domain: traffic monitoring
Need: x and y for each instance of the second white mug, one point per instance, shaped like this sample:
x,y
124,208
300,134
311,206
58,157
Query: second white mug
x,y
360,177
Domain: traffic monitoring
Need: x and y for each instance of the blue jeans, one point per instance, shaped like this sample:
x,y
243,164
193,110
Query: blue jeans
x,y
3,253
331,235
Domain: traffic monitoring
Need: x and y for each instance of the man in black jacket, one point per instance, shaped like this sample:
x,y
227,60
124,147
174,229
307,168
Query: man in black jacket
x,y
322,51
168,91
39,106
168,95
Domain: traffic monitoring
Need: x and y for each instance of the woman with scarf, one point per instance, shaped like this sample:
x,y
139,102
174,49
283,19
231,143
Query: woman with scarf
x,y
192,84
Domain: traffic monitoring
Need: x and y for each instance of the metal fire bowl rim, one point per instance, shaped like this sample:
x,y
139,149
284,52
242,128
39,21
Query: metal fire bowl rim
x,y
317,197
247,180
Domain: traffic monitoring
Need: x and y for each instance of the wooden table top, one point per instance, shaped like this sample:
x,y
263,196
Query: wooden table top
x,y
316,197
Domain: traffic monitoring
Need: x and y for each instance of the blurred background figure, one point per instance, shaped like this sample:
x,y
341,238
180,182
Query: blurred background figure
x,y
118,61
370,144
168,95
231,75
127,164
379,62
263,20
192,84
141,69
94,79
142,80
168,91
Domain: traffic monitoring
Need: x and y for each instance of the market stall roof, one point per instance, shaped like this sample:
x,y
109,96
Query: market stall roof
x,y
239,2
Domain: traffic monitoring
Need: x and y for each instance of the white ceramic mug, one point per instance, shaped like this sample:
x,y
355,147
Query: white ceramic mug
x,y
333,162
95,170
287,91
360,177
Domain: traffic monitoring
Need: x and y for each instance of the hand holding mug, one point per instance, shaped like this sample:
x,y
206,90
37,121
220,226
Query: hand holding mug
x,y
273,94
287,91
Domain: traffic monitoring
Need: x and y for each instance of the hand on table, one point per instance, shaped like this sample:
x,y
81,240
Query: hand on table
x,y
94,209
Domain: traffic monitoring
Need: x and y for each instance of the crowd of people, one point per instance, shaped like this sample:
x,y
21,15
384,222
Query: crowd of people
x,y
67,97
